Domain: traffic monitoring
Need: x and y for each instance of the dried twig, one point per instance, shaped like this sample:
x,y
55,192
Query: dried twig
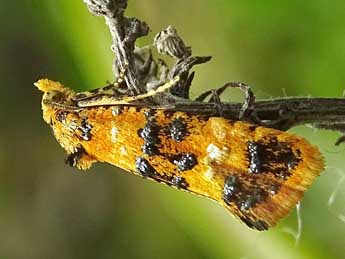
x,y
143,72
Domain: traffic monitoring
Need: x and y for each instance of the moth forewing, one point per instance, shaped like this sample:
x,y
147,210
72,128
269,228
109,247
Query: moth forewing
x,y
257,173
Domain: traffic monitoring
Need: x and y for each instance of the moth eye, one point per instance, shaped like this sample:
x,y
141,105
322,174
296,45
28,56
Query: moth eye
x,y
54,96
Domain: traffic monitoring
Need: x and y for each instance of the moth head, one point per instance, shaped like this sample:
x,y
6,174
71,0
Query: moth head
x,y
55,96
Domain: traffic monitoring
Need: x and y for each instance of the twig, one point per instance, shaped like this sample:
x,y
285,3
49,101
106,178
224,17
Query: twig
x,y
142,70
124,32
282,113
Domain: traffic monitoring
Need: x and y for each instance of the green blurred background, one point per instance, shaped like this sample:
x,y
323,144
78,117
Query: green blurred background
x,y
49,210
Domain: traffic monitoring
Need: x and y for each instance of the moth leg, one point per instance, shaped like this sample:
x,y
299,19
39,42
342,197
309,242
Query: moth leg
x,y
212,92
115,100
249,99
248,104
215,98
80,159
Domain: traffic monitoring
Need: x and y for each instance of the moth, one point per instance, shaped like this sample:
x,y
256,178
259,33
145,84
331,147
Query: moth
x,y
257,173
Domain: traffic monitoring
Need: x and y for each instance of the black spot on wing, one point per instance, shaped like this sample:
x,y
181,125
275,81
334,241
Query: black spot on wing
x,y
272,157
150,134
144,168
231,188
242,193
150,149
184,161
250,199
255,153
178,129
179,182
